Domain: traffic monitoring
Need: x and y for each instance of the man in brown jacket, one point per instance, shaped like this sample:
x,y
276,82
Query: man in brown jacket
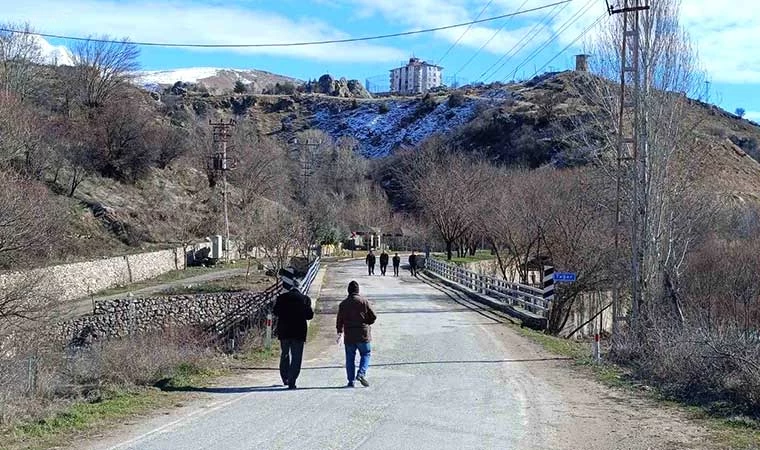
x,y
355,316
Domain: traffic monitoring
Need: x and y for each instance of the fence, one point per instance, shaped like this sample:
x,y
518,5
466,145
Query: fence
x,y
255,312
523,296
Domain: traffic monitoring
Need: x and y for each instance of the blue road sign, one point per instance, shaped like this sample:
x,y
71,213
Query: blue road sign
x,y
564,277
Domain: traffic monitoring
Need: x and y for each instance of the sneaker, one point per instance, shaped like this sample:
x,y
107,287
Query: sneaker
x,y
350,385
362,380
291,386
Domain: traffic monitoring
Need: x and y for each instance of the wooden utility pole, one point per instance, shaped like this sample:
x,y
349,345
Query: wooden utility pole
x,y
220,162
628,144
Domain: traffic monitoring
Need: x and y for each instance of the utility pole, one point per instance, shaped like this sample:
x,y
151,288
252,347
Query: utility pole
x,y
627,142
220,162
306,154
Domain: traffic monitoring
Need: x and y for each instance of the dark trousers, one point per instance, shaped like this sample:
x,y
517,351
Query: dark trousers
x,y
382,269
290,360
370,269
395,271
413,268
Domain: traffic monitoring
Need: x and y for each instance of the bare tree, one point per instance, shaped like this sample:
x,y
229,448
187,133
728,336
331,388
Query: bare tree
x,y
28,222
448,192
655,182
20,60
102,67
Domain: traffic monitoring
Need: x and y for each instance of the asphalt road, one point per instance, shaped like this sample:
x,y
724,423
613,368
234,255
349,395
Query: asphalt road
x,y
443,376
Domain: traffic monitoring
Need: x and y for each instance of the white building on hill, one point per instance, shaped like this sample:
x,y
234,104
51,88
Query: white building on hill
x,y
417,77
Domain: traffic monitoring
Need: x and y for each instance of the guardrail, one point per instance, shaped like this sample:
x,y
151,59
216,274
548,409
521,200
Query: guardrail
x,y
311,274
523,296
254,311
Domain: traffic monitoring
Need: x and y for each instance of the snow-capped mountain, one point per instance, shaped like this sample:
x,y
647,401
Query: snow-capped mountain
x,y
58,55
213,78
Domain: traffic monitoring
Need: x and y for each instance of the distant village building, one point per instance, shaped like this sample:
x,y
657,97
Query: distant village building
x,y
417,77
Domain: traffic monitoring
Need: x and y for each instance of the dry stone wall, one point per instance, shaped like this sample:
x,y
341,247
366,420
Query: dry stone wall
x,y
121,317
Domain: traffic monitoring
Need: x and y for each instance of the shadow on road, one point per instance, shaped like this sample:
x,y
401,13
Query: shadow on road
x,y
422,363
243,390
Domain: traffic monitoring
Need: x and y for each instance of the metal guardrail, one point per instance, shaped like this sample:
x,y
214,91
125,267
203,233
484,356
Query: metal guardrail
x,y
523,296
311,274
255,310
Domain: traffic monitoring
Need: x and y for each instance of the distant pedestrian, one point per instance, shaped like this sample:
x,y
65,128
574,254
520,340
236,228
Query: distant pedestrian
x,y
292,309
383,262
396,264
413,263
370,260
355,315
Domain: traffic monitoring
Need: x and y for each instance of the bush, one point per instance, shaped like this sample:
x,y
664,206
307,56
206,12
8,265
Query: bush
x,y
704,367
240,87
456,99
141,360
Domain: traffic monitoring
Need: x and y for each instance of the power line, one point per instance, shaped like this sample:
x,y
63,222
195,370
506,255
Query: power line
x,y
583,33
574,18
524,41
464,32
493,36
286,44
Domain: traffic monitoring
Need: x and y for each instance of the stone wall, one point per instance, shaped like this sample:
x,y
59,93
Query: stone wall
x,y
121,317
78,280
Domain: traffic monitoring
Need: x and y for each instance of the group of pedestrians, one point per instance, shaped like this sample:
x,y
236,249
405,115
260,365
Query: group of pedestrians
x,y
355,317
371,259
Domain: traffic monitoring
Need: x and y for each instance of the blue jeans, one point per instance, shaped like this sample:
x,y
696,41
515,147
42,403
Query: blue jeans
x,y
364,351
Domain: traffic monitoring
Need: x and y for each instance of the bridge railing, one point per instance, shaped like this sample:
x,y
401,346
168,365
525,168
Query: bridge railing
x,y
523,296
254,311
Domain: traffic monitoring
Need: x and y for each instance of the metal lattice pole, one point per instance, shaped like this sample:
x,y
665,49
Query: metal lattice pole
x,y
627,140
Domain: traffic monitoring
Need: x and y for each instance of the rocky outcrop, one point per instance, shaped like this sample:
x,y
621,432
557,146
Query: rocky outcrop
x,y
338,88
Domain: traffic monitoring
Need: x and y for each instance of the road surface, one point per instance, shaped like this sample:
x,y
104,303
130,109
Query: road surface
x,y
443,376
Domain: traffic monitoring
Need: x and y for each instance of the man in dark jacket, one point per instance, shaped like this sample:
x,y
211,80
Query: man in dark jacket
x,y
413,263
383,262
396,264
292,309
370,260
355,315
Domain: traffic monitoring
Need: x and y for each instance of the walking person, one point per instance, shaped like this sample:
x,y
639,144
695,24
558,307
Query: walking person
x,y
292,309
396,264
413,263
383,262
355,316
370,260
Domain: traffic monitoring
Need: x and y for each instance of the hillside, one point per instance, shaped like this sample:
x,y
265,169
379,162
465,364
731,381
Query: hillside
x,y
524,124
215,80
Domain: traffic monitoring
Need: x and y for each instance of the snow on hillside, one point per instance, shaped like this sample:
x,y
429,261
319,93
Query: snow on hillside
x,y
58,55
187,75
381,133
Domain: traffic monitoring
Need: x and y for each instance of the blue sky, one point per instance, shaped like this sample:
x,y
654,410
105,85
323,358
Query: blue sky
x,y
726,38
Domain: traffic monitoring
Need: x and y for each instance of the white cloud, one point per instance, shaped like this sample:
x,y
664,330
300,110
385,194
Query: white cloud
x,y
172,21
725,34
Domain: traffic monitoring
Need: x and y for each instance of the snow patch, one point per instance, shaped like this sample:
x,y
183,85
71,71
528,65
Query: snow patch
x,y
58,55
186,75
403,125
